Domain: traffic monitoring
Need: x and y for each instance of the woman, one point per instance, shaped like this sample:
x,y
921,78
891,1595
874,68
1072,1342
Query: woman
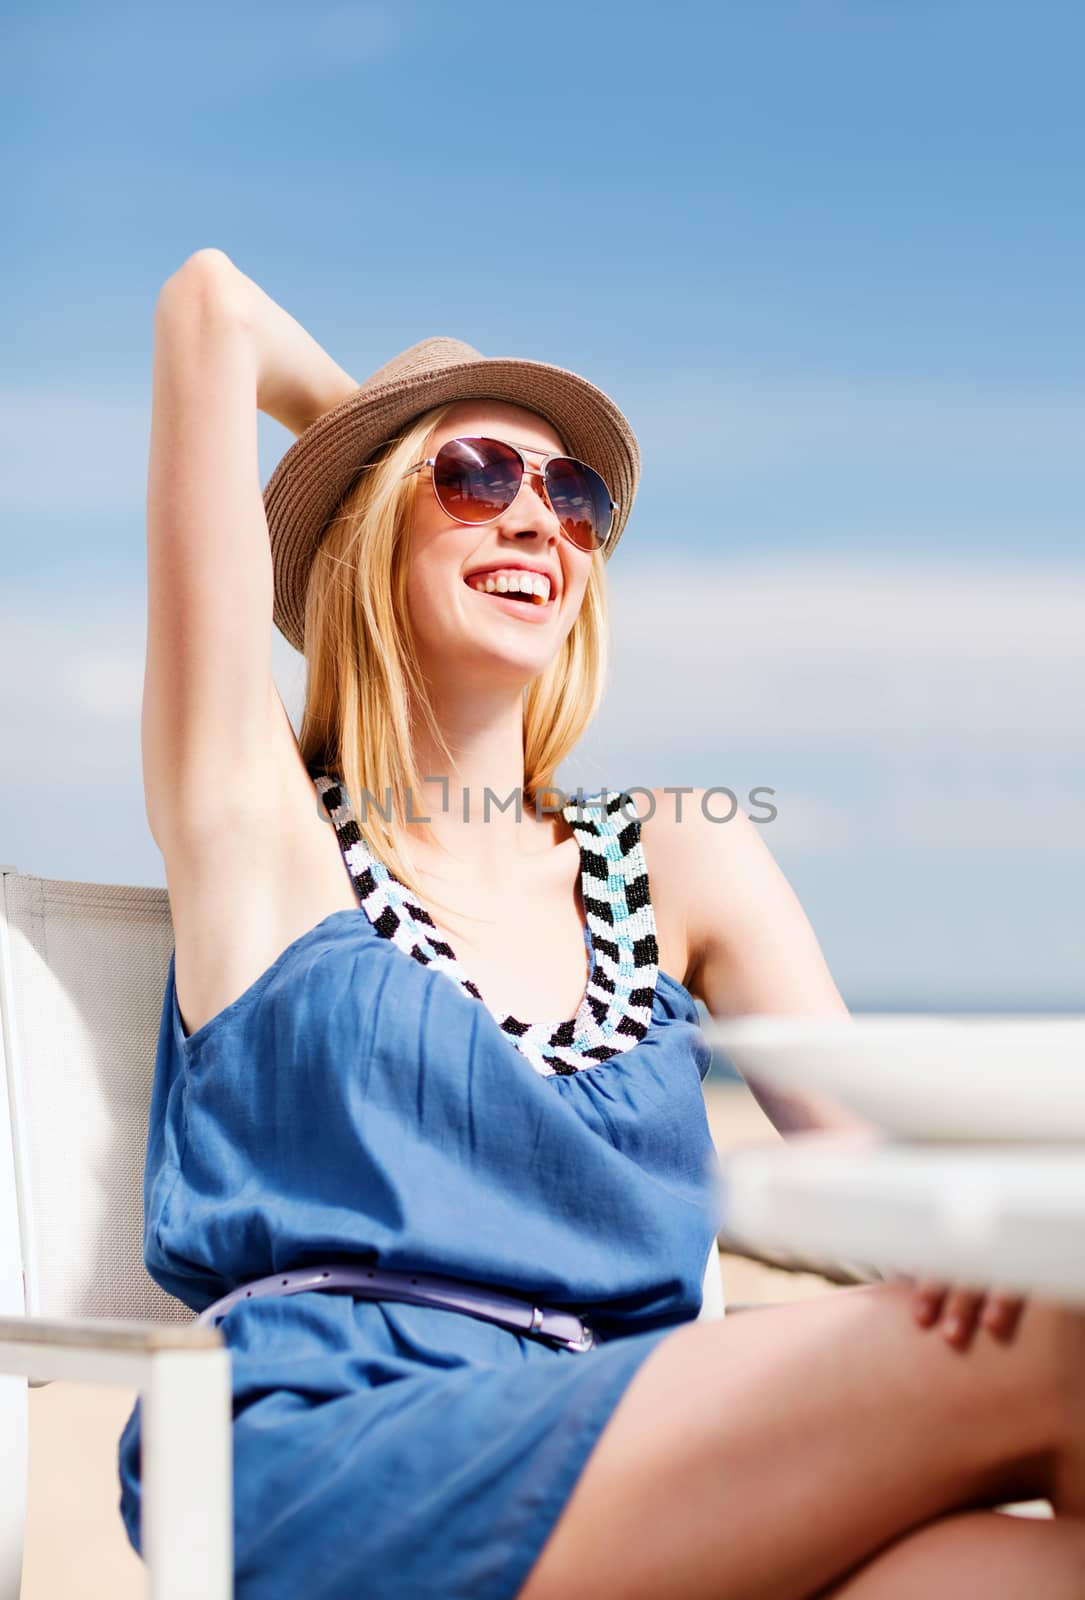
x,y
329,1107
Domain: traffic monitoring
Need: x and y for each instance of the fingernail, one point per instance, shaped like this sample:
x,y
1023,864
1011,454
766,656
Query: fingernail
x,y
953,1327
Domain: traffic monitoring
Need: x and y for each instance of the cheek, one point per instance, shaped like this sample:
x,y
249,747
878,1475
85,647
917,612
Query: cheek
x,y
423,605
429,577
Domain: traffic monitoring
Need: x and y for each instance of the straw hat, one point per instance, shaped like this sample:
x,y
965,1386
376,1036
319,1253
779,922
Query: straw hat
x,y
307,486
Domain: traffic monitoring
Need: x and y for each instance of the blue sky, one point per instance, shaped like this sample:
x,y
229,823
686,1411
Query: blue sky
x,y
828,257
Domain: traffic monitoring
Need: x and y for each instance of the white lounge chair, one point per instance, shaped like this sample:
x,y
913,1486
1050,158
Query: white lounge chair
x,y
82,975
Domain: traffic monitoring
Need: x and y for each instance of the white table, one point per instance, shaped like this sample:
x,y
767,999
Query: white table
x,y
1009,1216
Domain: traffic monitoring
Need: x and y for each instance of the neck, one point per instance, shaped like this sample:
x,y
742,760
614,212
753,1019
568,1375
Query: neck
x,y
474,803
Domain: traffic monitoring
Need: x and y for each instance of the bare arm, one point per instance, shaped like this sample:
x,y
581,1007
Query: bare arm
x,y
210,705
751,947
752,950
296,379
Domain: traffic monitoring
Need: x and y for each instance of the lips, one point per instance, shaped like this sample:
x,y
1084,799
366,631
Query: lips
x,y
526,609
520,584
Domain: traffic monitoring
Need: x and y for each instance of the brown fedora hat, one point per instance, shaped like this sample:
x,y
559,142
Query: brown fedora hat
x,y
306,488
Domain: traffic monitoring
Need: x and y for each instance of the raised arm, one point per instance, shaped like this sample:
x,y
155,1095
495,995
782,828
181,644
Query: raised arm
x,y
222,350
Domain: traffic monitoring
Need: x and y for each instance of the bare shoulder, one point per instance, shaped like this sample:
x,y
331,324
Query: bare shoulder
x,y
675,838
664,885
728,906
253,878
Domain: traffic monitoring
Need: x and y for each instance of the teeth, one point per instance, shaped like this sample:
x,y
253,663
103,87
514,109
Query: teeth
x,y
533,584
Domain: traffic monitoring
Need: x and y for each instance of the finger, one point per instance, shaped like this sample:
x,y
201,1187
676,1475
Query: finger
x,y
960,1316
1002,1315
928,1299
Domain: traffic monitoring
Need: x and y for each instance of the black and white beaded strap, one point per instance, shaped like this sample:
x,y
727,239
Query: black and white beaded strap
x,y
616,1009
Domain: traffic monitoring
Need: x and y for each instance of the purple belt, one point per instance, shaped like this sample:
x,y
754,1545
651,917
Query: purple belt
x,y
563,1328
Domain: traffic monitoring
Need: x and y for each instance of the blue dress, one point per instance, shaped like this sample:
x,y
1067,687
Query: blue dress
x,y
361,1102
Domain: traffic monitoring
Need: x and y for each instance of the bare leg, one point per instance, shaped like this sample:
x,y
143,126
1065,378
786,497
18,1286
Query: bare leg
x,y
976,1552
766,1455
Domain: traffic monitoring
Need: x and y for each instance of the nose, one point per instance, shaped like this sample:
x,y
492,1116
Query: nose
x,y
531,511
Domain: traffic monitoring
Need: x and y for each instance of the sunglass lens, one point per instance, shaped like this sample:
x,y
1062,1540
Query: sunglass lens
x,y
581,501
476,479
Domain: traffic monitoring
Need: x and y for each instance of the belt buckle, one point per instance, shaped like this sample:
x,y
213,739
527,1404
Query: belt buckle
x,y
585,1341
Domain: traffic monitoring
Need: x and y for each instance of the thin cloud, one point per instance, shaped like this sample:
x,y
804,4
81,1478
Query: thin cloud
x,y
107,685
803,650
792,420
73,448
208,48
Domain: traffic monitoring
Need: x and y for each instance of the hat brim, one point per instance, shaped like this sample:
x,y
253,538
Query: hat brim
x,y
306,488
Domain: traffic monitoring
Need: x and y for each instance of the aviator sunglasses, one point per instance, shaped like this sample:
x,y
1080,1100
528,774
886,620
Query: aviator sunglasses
x,y
476,479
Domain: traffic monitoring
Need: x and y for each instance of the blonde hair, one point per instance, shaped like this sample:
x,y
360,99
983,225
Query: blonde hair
x,y
364,684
